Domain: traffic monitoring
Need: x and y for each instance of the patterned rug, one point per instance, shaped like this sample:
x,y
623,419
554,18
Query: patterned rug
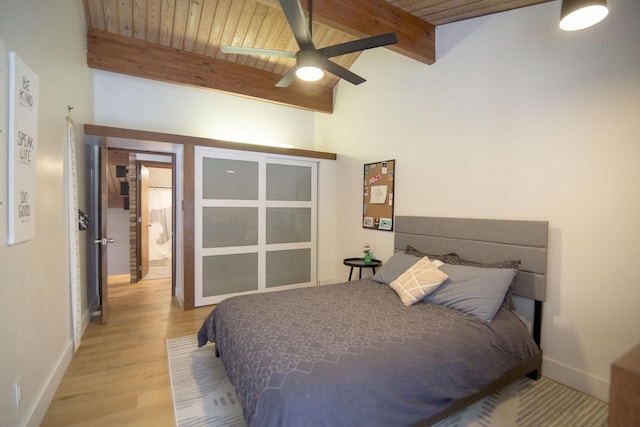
x,y
203,396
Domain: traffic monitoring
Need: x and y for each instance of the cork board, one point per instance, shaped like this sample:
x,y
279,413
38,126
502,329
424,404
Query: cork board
x,y
379,180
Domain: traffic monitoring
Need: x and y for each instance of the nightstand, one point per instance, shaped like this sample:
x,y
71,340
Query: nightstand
x,y
359,263
624,396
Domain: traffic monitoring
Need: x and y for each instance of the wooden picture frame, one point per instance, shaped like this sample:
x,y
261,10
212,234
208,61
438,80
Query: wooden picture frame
x,y
377,200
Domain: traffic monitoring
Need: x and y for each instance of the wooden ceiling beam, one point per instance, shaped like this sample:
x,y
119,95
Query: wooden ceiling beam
x,y
362,18
127,55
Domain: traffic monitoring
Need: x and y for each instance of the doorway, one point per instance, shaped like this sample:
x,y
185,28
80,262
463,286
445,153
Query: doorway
x,y
140,216
114,235
154,242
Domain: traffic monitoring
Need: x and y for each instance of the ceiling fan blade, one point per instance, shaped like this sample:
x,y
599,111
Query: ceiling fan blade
x,y
256,51
286,80
358,45
295,16
342,72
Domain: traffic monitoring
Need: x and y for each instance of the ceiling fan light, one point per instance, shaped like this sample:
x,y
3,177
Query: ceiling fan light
x,y
309,65
309,73
580,14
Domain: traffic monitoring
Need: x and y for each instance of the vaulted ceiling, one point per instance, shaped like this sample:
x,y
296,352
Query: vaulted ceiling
x,y
179,41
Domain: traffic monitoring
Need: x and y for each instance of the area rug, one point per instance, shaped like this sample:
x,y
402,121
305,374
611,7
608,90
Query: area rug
x,y
203,396
202,393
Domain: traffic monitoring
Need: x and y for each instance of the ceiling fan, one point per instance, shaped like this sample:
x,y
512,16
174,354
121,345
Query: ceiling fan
x,y
311,62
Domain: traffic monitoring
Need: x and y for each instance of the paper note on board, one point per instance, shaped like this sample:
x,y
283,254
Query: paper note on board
x,y
378,194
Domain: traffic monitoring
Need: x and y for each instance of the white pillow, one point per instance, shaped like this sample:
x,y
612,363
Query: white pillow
x,y
418,281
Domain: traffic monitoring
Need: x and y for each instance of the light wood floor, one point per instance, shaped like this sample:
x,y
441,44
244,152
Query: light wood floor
x,y
120,375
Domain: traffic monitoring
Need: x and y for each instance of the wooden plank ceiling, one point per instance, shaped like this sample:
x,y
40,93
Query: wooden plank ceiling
x,y
179,41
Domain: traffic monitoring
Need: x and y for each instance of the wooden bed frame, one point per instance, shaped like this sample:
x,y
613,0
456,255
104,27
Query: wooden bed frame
x,y
486,241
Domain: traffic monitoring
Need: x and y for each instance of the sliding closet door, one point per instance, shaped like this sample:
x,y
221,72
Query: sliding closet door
x,y
255,224
290,223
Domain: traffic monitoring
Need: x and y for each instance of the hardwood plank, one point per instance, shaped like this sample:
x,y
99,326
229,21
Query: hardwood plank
x,y
125,17
229,31
167,13
269,19
281,63
193,23
126,55
205,25
110,8
254,24
94,13
180,19
120,374
222,11
444,12
140,19
153,20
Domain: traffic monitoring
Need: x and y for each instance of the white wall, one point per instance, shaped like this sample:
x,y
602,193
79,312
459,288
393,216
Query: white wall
x,y
516,120
136,103
35,314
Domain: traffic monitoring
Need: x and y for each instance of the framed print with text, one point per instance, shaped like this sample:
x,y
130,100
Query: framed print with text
x,y
22,145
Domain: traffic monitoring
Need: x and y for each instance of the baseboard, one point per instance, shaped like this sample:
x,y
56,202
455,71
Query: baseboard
x,y
43,401
585,382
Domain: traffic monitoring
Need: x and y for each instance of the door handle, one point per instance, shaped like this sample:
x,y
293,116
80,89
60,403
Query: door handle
x,y
103,241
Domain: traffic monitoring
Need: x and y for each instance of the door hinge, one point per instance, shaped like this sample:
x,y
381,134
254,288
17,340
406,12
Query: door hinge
x,y
140,268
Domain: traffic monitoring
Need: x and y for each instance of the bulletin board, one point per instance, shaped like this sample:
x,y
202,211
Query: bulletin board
x,y
379,180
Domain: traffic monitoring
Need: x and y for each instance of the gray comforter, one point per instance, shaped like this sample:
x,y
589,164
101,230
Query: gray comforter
x,y
352,354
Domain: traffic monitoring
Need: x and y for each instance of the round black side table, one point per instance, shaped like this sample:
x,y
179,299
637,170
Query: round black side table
x,y
359,263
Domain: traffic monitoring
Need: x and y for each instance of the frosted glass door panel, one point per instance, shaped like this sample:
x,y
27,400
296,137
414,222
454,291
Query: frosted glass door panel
x,y
255,223
288,267
227,179
229,274
288,182
288,225
228,227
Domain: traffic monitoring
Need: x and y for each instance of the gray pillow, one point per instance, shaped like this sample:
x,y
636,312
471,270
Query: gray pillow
x,y
446,258
392,269
512,263
473,290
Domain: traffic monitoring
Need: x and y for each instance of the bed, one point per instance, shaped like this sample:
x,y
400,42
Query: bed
x,y
356,353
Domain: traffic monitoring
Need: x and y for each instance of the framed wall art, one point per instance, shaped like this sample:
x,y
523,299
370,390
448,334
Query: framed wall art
x,y
22,143
378,189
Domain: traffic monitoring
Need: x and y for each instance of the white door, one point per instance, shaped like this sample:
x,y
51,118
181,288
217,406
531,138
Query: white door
x,y
256,223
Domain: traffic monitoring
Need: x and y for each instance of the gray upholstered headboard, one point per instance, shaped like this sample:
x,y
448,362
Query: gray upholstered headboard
x,y
483,240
